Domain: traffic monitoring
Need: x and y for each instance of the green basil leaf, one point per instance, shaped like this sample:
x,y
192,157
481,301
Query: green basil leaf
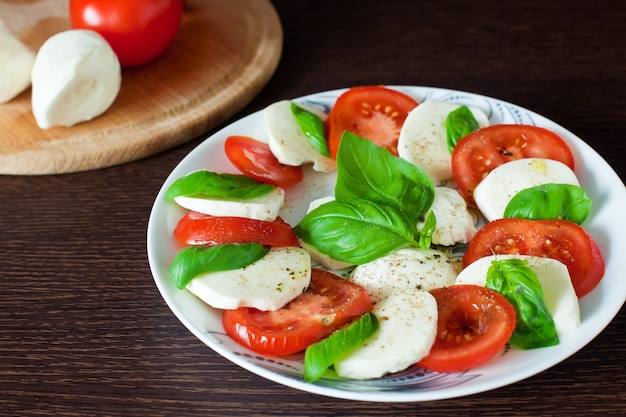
x,y
550,201
518,283
459,123
195,260
367,171
427,230
313,128
210,185
321,355
356,231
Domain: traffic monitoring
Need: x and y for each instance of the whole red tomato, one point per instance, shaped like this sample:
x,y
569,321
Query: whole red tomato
x,y
137,30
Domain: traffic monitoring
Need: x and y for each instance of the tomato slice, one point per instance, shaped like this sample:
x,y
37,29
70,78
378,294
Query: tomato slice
x,y
328,304
371,112
202,229
473,325
255,159
478,153
559,239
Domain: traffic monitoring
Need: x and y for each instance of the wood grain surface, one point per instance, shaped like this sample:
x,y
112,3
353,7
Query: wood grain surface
x,y
223,54
84,331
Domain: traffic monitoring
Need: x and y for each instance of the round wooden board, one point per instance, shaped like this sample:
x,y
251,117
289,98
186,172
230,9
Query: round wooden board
x,y
223,55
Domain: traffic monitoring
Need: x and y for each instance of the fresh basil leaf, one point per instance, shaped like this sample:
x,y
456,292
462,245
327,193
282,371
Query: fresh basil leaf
x,y
356,231
518,283
210,185
195,260
459,123
319,356
550,201
427,230
367,171
313,128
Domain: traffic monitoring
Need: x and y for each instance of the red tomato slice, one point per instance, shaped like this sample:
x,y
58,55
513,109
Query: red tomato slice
x,y
473,325
371,112
201,229
558,239
328,304
478,153
255,159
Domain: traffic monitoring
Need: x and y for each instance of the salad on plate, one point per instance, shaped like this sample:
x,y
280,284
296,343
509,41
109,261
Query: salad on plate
x,y
377,235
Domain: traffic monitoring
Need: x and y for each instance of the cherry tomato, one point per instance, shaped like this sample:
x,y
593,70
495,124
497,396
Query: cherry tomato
x,y
328,304
371,112
137,30
201,229
255,159
478,153
473,325
559,239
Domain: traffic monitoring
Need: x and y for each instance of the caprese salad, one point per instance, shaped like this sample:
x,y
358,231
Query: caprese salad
x,y
412,181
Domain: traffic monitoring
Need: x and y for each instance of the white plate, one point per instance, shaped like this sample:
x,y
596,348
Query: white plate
x,y
597,308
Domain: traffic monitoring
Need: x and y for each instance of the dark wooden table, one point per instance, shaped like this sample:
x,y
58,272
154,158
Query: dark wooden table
x,y
83,329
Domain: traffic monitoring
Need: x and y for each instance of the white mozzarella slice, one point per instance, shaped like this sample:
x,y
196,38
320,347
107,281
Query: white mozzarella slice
x,y
404,270
268,284
555,281
318,202
288,142
494,192
407,331
323,259
265,207
455,223
423,141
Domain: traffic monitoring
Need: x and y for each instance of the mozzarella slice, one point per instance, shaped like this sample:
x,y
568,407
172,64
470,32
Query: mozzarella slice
x,y
407,331
16,63
76,76
423,141
323,259
318,202
555,281
288,142
494,192
265,207
268,284
407,269
455,223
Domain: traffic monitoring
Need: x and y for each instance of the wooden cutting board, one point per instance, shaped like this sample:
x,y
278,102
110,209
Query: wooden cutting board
x,y
223,55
